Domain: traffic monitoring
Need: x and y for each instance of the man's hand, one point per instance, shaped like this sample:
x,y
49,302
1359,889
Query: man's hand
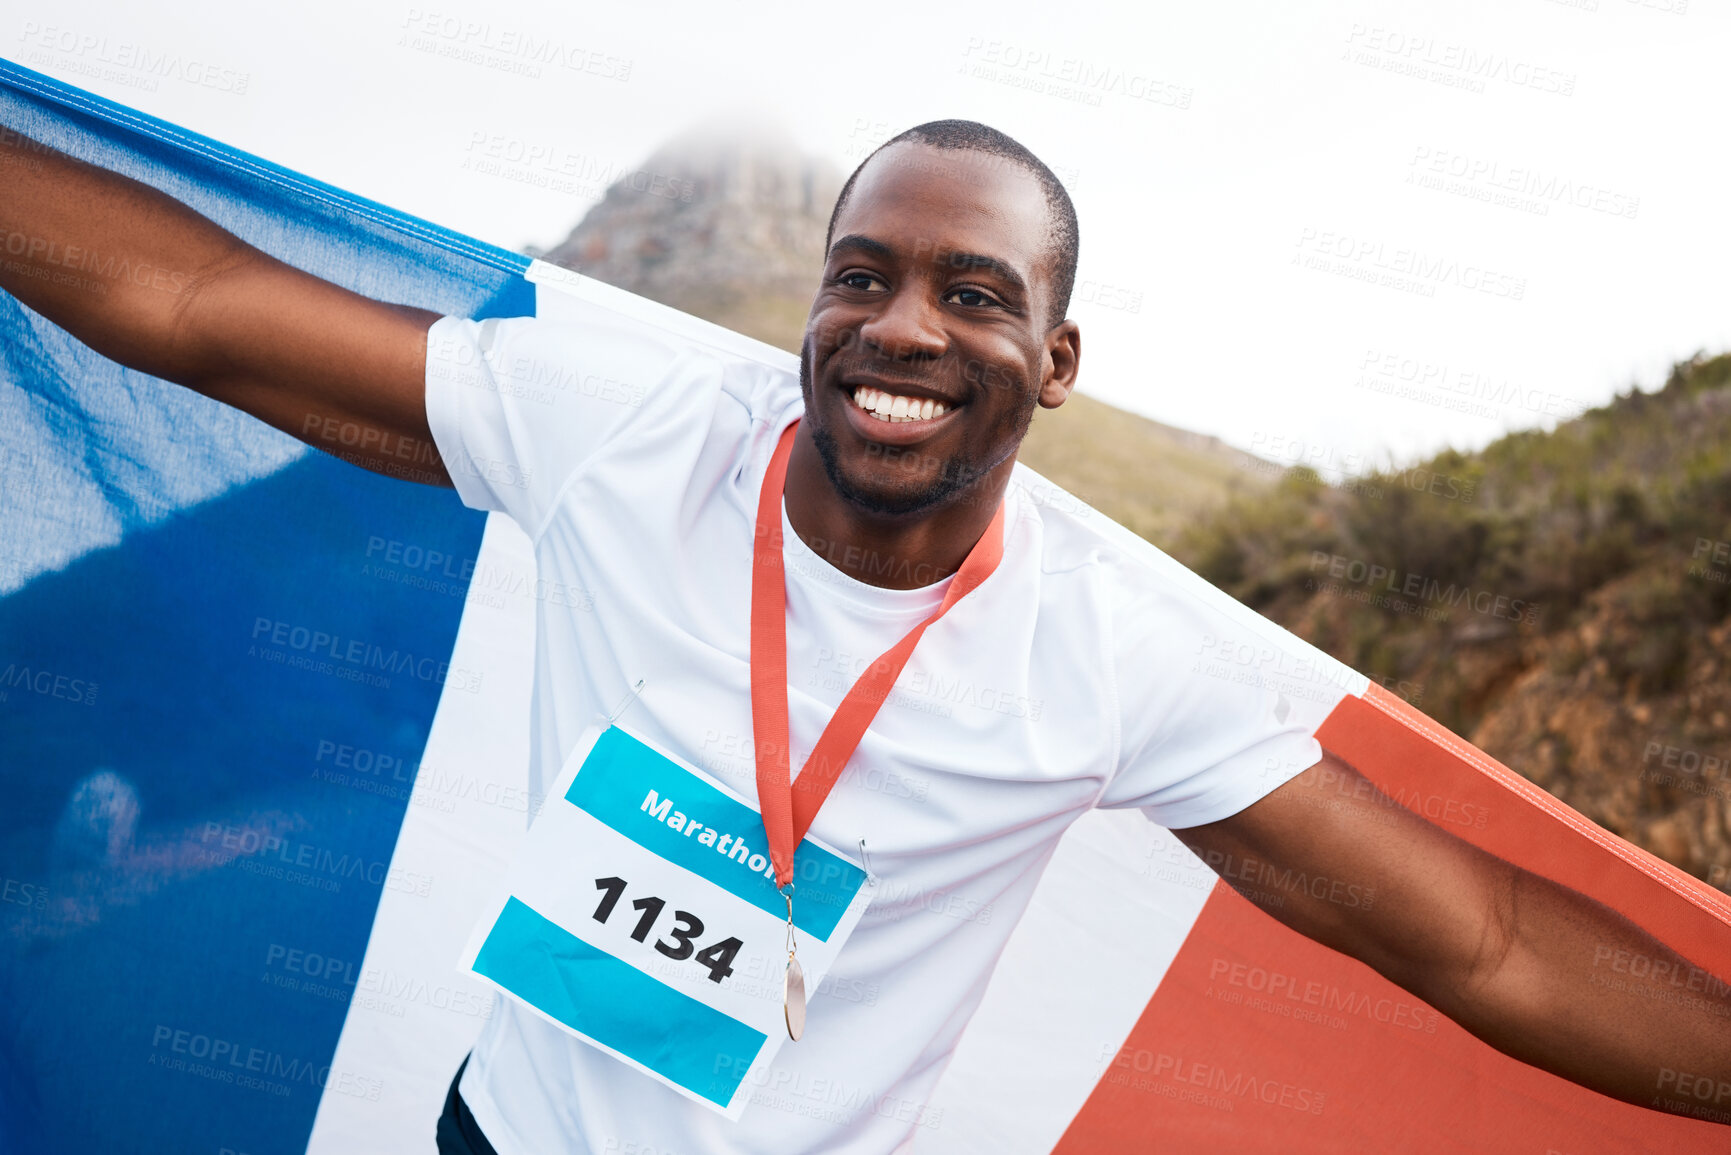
x,y
1507,954
144,280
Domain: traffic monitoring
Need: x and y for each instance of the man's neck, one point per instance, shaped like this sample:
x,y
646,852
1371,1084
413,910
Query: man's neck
x,y
894,551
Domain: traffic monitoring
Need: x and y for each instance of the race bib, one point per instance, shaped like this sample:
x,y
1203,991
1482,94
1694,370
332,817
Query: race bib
x,y
642,917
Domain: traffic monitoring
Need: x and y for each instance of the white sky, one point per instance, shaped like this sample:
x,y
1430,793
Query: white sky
x,y
1213,149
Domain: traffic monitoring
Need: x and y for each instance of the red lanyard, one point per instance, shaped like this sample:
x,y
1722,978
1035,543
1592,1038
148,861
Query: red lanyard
x,y
788,810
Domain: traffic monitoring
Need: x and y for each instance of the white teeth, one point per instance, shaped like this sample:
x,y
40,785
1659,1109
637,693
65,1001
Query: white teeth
x,y
890,407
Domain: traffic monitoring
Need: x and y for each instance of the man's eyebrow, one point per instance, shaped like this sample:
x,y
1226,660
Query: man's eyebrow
x,y
864,243
991,264
955,260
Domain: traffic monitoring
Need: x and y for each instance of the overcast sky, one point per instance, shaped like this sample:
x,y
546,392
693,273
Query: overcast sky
x,y
1355,232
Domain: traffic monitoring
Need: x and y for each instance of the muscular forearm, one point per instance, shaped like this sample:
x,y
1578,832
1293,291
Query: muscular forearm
x,y
1584,993
110,260
148,282
1541,972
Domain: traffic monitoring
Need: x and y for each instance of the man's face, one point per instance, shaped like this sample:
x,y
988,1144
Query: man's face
x,y
936,291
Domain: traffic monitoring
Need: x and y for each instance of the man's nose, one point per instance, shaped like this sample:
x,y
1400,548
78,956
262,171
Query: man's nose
x,y
908,325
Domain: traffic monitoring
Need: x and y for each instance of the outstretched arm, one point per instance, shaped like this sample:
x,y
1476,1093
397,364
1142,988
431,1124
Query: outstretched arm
x,y
145,281
1516,959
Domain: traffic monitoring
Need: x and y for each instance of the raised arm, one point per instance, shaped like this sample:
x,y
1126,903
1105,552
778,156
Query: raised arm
x,y
1519,961
147,282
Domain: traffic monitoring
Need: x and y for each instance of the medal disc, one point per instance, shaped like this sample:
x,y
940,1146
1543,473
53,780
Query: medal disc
x,y
793,996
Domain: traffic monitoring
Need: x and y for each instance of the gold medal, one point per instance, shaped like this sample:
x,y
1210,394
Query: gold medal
x,y
793,986
793,996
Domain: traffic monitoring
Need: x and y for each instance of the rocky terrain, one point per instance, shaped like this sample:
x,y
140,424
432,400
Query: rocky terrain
x,y
726,223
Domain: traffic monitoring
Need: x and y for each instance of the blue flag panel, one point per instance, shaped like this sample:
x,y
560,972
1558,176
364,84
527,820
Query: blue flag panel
x,y
197,617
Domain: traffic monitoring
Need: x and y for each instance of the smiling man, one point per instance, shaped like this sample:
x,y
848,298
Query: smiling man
x,y
937,328
879,491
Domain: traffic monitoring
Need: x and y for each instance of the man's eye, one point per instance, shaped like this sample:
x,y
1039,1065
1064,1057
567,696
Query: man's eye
x,y
862,281
971,298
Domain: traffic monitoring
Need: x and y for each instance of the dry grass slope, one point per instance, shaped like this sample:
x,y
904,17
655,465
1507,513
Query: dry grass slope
x,y
1155,479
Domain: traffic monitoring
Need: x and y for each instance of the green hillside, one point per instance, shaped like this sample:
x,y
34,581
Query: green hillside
x,y
1559,598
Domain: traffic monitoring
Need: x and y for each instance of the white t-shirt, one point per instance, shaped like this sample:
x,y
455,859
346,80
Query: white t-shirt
x,y
632,452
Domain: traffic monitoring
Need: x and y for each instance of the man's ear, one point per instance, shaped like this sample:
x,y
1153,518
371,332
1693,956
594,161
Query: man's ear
x,y
1062,361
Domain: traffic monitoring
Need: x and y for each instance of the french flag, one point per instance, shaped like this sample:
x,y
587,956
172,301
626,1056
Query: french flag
x,y
263,738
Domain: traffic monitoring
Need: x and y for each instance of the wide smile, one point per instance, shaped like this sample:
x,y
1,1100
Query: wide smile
x,y
895,418
896,407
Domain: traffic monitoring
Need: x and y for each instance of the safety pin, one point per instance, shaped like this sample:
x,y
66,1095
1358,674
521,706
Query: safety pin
x,y
625,703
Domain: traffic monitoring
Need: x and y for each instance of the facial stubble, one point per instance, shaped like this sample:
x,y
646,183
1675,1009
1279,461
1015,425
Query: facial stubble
x,y
955,475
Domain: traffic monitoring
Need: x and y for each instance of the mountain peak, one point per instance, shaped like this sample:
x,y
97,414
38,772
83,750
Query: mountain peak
x,y
726,221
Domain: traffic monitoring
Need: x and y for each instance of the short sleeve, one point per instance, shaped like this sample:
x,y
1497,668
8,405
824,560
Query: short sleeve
x,y
1216,707
517,405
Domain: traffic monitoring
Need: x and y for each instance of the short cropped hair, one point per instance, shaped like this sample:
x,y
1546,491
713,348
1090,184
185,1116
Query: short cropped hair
x,y
1063,239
